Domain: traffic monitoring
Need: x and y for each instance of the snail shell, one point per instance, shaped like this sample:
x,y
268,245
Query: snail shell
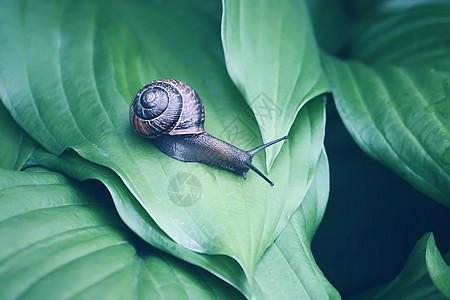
x,y
167,106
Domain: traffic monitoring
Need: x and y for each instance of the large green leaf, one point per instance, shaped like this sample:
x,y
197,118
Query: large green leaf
x,y
68,72
392,114
16,145
397,108
405,33
288,268
273,59
135,217
425,276
61,239
289,259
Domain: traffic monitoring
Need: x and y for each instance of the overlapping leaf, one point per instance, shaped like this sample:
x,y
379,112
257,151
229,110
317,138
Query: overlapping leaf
x,y
403,33
273,59
137,218
398,108
290,256
68,73
17,146
297,271
392,114
61,239
288,268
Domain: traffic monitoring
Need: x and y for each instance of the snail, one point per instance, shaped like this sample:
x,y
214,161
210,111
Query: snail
x,y
171,114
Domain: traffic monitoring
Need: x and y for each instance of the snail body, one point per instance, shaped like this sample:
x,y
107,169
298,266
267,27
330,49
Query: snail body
x,y
172,116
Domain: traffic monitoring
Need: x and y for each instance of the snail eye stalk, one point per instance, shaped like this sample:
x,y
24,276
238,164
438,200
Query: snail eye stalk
x,y
256,150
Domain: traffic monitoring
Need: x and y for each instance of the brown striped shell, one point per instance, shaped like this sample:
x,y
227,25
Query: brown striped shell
x,y
167,106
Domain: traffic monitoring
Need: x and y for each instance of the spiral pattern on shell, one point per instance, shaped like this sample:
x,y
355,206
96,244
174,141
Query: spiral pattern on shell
x,y
167,106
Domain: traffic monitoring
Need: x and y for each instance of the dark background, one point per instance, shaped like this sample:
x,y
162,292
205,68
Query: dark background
x,y
373,218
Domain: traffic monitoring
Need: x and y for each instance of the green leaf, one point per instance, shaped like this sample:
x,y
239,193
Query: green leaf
x,y
409,34
394,114
397,108
16,146
289,259
68,73
273,59
61,239
136,218
425,276
288,268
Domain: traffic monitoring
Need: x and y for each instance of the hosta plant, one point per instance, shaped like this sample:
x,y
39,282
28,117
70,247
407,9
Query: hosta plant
x,y
90,209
